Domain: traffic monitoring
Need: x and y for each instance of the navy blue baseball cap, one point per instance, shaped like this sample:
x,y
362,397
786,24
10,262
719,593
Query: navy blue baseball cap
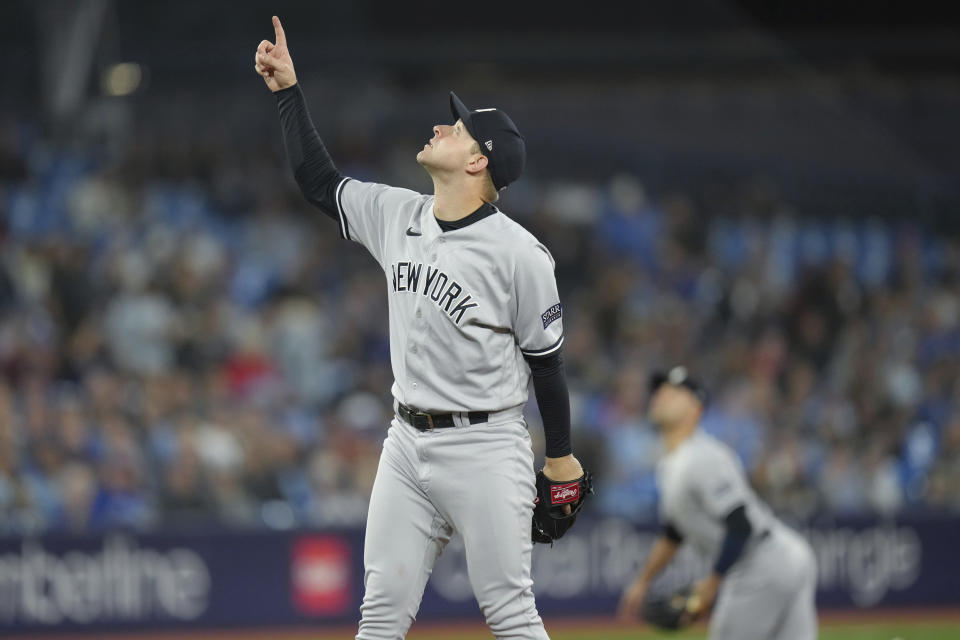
x,y
500,140
679,377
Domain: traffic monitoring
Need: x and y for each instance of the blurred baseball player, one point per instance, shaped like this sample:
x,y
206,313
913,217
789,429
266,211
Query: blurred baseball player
x,y
474,312
767,571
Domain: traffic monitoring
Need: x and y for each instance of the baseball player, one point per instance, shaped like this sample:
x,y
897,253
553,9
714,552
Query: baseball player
x,y
473,313
763,571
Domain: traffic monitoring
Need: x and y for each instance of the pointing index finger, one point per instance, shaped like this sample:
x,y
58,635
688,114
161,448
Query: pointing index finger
x,y
278,31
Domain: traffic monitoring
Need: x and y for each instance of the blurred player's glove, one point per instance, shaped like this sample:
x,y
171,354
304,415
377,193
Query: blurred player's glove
x,y
550,521
672,610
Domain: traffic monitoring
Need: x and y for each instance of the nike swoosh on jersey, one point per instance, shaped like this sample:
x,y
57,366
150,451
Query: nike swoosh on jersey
x,y
411,232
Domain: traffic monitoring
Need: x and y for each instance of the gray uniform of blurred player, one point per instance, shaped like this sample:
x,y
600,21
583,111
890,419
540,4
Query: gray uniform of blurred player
x,y
765,571
473,308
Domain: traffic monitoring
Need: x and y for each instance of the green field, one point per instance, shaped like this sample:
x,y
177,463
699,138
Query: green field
x,y
844,632
934,627
865,631
917,631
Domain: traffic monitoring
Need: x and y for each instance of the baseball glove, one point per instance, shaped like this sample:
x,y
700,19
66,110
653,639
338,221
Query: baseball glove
x,y
674,610
550,521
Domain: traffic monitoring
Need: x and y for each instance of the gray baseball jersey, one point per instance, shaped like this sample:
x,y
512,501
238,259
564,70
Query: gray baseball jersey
x,y
465,305
700,482
769,592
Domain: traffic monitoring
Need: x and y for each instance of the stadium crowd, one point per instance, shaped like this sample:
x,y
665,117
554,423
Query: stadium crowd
x,y
184,342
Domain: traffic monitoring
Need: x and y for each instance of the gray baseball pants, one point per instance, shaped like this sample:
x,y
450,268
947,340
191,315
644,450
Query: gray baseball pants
x,y
477,480
771,595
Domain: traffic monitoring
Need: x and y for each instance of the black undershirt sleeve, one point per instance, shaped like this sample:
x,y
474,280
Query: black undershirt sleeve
x,y
738,533
670,533
553,400
313,168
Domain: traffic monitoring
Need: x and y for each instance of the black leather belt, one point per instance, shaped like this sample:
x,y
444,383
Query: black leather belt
x,y
429,421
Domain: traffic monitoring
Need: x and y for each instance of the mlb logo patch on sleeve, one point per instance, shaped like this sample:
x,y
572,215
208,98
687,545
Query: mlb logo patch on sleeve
x,y
551,314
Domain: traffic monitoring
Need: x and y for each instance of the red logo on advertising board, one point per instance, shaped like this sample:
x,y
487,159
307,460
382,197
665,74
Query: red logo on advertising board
x,y
320,570
564,493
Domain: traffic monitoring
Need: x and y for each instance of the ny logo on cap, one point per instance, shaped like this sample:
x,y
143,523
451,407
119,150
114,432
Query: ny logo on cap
x,y
489,145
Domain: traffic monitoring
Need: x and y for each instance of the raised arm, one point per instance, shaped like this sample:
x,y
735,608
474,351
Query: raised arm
x,y
273,62
313,168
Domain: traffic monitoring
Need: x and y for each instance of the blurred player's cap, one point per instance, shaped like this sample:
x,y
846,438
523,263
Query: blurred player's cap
x,y
499,140
679,377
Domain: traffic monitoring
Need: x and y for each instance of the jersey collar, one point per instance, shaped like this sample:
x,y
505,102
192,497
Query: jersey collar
x,y
485,210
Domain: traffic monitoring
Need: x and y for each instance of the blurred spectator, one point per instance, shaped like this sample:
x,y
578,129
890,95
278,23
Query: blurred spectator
x,y
183,343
